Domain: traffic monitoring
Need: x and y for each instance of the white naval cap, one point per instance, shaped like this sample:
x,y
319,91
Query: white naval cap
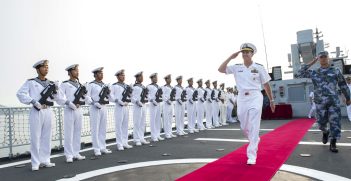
x,y
248,47
179,77
99,69
119,72
167,76
189,79
222,84
139,73
200,80
72,67
152,75
40,63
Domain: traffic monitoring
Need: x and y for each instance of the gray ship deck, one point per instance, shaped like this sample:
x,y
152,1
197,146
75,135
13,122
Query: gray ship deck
x,y
186,147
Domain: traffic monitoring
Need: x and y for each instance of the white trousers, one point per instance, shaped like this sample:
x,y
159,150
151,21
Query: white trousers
x,y
215,112
229,113
121,125
313,110
98,119
191,113
223,113
139,119
179,117
167,115
72,129
40,136
208,114
249,114
200,111
348,109
155,120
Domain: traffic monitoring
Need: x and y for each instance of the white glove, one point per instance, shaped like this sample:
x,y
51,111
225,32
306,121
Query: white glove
x,y
139,104
72,106
37,105
97,105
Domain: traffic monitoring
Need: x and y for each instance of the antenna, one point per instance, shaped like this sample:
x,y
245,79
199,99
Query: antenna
x,y
264,39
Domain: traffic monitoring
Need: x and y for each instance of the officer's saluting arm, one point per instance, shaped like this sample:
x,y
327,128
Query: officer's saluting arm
x,y
304,72
343,86
223,67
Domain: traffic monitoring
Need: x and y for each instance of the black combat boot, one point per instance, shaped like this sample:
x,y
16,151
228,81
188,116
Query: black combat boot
x,y
325,137
333,147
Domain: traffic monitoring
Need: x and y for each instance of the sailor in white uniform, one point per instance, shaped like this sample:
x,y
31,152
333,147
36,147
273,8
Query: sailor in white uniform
x,y
167,108
200,107
215,104
230,105
191,106
222,105
40,116
72,95
97,98
155,99
249,78
139,98
180,98
120,95
208,105
313,105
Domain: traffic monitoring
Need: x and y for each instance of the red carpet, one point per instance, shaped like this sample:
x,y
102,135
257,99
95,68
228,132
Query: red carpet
x,y
274,149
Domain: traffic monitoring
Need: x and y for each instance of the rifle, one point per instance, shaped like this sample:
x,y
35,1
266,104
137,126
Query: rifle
x,y
159,95
183,96
213,94
127,94
173,93
195,98
79,94
205,95
144,95
48,91
105,91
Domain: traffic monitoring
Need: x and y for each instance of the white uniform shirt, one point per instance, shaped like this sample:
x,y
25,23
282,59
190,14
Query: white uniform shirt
x,y
200,94
67,90
223,96
189,93
153,88
136,95
215,94
31,89
312,96
179,90
116,93
208,96
166,96
249,78
94,88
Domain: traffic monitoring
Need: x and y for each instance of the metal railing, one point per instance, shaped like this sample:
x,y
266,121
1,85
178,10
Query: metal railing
x,y
15,131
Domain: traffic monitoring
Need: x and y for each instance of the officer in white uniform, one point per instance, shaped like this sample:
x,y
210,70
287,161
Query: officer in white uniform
x,y
222,105
249,78
40,116
215,104
200,107
139,98
348,108
98,112
167,108
313,105
180,98
72,95
120,95
208,105
155,99
191,106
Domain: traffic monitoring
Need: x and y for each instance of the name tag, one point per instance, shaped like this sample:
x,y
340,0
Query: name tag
x,y
254,71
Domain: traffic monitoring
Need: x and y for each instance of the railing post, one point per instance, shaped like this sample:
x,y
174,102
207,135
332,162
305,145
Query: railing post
x,y
60,126
10,132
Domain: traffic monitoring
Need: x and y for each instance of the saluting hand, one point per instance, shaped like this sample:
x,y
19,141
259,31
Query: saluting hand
x,y
234,55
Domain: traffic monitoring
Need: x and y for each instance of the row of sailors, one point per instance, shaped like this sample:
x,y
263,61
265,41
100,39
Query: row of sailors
x,y
215,103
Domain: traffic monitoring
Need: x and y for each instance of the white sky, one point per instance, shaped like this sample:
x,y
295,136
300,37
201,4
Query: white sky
x,y
183,37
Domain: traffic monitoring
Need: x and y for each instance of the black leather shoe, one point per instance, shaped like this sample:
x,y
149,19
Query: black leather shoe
x,y
333,147
325,137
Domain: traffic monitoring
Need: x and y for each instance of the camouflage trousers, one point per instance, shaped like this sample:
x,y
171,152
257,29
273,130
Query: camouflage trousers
x,y
328,111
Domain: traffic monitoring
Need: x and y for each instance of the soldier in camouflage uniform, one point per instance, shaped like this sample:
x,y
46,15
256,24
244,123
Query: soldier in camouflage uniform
x,y
325,80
